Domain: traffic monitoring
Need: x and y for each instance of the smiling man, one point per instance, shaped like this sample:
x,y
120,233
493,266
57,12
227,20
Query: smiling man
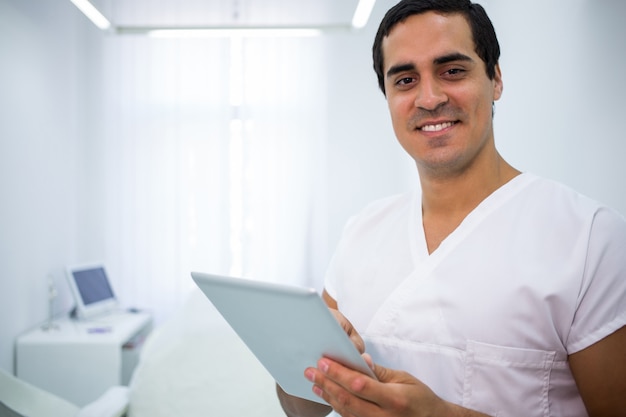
x,y
490,291
440,98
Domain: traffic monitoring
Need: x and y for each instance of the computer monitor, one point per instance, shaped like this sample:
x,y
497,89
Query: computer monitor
x,y
91,289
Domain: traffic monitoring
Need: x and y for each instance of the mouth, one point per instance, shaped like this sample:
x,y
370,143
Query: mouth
x,y
436,127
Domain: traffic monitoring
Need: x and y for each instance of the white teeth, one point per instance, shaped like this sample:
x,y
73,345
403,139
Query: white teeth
x,y
437,127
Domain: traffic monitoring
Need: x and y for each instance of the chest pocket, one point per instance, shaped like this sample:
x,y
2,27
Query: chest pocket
x,y
505,382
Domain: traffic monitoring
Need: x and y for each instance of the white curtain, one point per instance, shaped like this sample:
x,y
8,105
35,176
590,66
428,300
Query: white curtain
x,y
212,158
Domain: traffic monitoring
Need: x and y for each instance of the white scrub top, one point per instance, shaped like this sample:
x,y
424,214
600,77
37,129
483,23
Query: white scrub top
x,y
536,272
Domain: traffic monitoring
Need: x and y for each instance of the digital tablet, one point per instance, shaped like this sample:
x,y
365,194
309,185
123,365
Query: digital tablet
x,y
287,328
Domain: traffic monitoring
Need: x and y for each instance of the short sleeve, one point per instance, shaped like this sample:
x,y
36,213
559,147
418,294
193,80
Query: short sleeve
x,y
602,297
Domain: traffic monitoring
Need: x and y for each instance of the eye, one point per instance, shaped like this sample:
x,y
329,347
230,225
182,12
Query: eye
x,y
405,82
454,73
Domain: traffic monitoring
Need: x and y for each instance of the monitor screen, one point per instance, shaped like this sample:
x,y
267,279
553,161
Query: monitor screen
x,y
92,290
93,285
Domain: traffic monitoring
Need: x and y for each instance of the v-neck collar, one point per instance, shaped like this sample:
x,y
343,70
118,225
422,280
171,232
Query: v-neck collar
x,y
419,248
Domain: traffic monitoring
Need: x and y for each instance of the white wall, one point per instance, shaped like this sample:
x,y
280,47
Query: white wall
x,y
559,117
39,113
563,100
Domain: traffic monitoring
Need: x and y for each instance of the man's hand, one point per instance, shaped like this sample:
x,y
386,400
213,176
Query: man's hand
x,y
350,330
396,393
299,407
393,393
352,393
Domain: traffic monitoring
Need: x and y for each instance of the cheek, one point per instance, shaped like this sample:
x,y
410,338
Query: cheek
x,y
478,105
484,112
399,125
398,112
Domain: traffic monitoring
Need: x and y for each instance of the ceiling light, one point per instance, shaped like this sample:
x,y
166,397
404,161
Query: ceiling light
x,y
359,20
223,32
92,13
362,13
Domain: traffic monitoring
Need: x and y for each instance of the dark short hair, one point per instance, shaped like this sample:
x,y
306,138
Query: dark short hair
x,y
483,32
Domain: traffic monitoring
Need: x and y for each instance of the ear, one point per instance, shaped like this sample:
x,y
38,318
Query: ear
x,y
497,83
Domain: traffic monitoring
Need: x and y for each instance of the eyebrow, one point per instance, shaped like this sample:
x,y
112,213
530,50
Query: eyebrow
x,y
456,56
400,68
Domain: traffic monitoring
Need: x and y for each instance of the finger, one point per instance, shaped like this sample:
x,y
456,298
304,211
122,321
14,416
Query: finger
x,y
342,388
368,359
354,336
342,401
342,378
357,341
383,374
386,375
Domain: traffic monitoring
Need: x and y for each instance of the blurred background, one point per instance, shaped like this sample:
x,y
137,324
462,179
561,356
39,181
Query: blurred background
x,y
245,153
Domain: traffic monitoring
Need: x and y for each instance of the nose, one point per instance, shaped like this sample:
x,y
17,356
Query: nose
x,y
430,94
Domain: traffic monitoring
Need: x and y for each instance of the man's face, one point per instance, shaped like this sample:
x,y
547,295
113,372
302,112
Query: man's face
x,y
438,93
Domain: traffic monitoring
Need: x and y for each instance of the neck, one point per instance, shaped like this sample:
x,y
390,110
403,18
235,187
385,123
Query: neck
x,y
448,199
456,194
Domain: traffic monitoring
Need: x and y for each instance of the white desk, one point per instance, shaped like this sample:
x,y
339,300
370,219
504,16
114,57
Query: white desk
x,y
80,360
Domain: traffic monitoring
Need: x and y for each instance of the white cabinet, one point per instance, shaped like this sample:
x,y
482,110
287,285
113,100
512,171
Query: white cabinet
x,y
80,360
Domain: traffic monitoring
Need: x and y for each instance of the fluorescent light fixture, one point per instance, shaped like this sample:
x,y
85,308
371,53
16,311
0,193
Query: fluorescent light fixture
x,y
362,13
226,32
92,13
359,20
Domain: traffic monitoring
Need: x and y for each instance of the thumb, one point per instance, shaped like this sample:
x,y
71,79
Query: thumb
x,y
379,371
387,375
368,359
382,374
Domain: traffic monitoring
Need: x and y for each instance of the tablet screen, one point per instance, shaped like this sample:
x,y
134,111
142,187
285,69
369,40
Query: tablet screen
x,y
287,328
